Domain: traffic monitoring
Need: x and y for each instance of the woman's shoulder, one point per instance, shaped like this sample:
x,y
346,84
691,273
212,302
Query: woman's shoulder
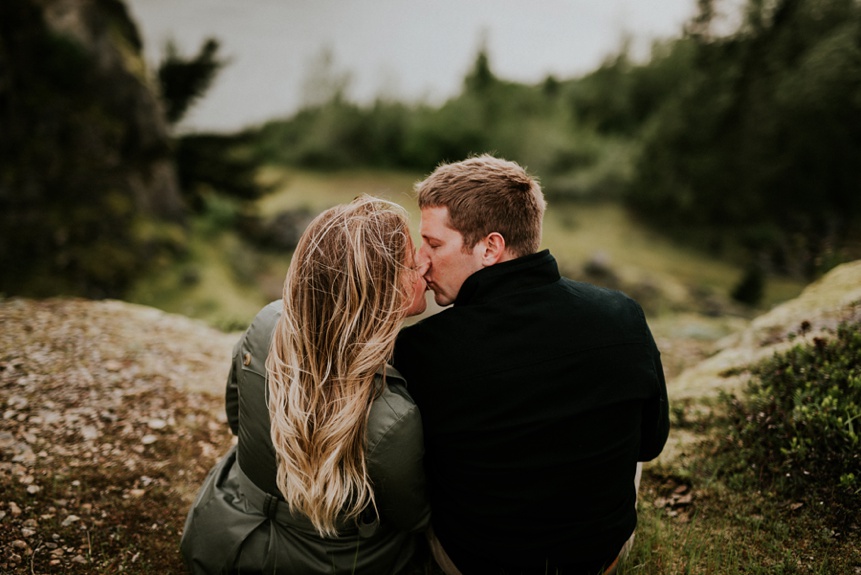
x,y
393,408
263,324
394,395
265,320
253,347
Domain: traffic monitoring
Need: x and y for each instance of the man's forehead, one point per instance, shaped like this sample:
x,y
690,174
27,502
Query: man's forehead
x,y
436,215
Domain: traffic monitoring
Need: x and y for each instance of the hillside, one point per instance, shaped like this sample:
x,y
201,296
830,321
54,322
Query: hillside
x,y
111,416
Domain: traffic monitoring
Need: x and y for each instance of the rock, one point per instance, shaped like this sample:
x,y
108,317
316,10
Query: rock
x,y
89,432
823,305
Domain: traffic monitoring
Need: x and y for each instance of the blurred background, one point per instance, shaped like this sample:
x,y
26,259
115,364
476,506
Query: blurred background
x,y
701,155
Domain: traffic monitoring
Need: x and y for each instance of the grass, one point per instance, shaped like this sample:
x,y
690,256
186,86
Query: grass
x,y
225,281
728,532
221,281
577,233
295,188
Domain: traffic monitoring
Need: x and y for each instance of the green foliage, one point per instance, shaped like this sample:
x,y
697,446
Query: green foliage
x,y
751,288
798,427
620,96
184,80
481,77
539,126
762,133
74,160
336,134
214,163
535,125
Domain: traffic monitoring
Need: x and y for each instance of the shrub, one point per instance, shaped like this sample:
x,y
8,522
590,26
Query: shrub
x,y
751,287
797,428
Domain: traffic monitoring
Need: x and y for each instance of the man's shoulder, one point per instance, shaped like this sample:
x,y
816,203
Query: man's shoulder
x,y
424,342
602,298
433,326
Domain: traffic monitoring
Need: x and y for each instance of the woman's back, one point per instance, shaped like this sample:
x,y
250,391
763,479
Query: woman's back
x,y
394,454
327,474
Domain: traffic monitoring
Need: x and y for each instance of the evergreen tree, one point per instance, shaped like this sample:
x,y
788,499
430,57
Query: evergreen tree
x,y
762,140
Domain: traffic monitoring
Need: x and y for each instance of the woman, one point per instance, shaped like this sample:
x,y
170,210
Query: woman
x,y
326,475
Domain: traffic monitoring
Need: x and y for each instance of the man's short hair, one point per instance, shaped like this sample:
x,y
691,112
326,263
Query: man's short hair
x,y
485,194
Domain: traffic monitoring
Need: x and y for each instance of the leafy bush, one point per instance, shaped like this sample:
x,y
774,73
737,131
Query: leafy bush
x,y
757,135
219,163
751,287
798,428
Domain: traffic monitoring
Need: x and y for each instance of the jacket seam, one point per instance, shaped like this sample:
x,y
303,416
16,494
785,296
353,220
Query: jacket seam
x,y
389,428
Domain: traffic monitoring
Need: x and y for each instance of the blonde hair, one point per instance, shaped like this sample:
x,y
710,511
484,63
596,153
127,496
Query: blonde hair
x,y
486,194
345,296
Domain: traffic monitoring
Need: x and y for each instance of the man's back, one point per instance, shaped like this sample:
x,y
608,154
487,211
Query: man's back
x,y
538,396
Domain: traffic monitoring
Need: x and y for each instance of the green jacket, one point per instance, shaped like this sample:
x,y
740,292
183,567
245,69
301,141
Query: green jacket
x,y
239,521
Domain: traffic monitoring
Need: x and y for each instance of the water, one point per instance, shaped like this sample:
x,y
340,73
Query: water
x,y
404,49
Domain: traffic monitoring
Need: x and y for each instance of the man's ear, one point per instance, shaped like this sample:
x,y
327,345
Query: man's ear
x,y
494,249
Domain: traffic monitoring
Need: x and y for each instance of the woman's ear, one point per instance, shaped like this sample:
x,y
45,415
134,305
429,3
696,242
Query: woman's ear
x,y
494,249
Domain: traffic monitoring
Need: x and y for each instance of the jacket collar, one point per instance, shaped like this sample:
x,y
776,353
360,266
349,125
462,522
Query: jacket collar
x,y
512,276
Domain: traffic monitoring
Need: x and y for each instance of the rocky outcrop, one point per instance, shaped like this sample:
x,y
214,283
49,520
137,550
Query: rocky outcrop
x,y
87,169
822,306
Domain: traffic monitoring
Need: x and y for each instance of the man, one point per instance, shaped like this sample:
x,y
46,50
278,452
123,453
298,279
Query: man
x,y
538,394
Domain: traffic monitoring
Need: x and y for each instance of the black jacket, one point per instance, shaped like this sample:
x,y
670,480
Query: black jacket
x,y
538,396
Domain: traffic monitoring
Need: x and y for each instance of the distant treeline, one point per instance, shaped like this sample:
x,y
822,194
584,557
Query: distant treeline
x,y
746,143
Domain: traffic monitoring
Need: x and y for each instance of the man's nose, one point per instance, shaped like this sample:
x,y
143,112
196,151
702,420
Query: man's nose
x,y
422,260
422,266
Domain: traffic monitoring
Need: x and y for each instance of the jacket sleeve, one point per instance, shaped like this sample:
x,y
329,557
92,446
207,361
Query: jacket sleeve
x,y
655,427
395,463
231,394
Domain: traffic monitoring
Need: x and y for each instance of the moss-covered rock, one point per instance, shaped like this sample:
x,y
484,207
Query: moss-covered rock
x,y
85,154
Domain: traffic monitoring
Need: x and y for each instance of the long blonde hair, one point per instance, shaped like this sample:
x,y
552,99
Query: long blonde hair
x,y
344,298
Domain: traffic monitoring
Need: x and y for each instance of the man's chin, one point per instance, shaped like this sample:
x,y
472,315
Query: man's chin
x,y
441,300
